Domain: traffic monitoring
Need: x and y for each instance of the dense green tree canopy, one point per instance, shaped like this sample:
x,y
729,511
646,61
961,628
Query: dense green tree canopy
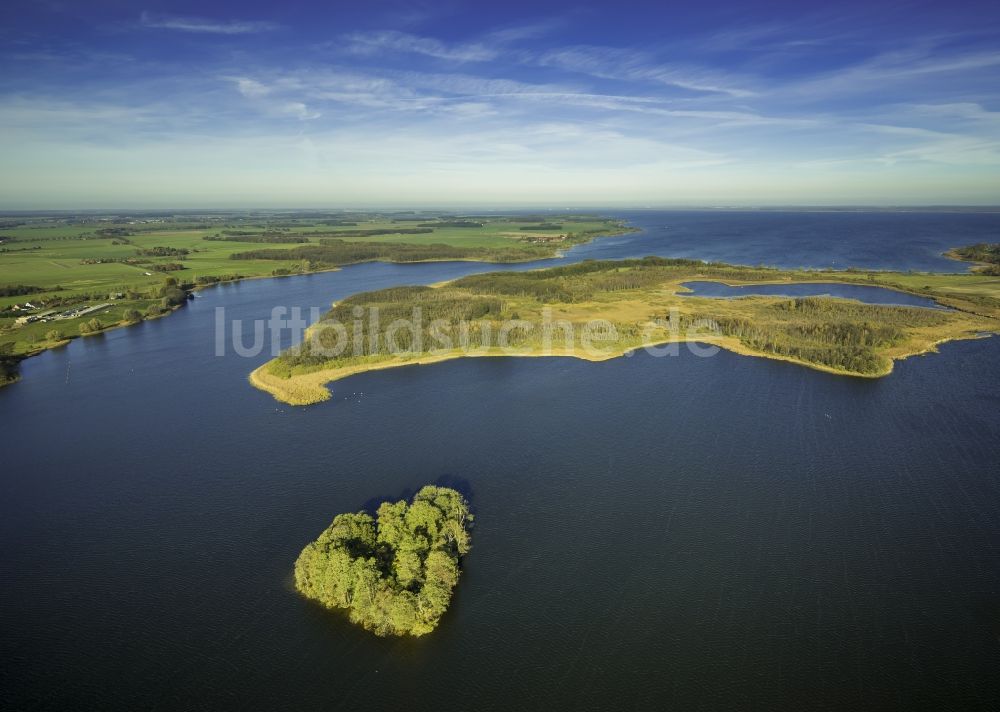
x,y
986,253
393,573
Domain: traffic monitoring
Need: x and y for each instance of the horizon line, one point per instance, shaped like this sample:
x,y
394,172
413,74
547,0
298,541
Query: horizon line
x,y
389,207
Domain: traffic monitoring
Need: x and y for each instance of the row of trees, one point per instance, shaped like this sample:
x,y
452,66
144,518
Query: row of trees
x,y
276,238
91,326
216,279
167,267
394,573
336,252
170,296
17,290
451,223
542,227
160,251
371,232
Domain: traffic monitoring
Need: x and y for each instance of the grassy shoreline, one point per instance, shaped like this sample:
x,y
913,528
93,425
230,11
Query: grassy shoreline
x,y
31,340
901,331
311,388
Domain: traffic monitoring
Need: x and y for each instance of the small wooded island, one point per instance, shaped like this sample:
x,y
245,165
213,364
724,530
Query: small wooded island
x,y
394,573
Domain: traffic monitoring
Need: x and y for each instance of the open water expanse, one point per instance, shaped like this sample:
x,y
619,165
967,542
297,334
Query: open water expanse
x,y
679,533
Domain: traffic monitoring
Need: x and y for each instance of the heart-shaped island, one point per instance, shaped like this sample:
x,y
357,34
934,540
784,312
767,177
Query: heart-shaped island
x,y
393,573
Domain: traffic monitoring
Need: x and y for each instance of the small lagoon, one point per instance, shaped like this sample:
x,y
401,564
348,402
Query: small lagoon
x,y
860,292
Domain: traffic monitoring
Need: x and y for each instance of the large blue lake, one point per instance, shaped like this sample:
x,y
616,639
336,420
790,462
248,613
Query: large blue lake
x,y
652,533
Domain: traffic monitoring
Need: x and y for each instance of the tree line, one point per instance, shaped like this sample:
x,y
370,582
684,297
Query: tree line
x,y
336,252
18,290
451,223
276,238
371,232
160,251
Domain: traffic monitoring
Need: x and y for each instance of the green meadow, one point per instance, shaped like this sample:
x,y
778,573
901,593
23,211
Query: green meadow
x,y
73,261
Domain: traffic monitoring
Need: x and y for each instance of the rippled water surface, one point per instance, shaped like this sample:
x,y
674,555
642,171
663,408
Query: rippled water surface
x,y
680,532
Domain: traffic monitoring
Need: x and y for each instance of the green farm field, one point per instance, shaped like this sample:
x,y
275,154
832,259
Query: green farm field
x,y
69,262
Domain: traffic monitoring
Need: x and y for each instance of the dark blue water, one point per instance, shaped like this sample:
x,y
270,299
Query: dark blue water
x,y
681,532
836,240
860,292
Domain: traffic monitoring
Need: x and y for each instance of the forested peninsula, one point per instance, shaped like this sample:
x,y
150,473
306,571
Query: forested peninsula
x,y
393,573
642,302
985,255
63,276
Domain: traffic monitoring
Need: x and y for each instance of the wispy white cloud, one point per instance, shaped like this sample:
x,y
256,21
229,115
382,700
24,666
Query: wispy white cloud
x,y
250,88
410,92
205,26
630,65
900,70
518,33
937,146
261,95
823,30
746,36
513,110
968,112
372,43
298,109
487,47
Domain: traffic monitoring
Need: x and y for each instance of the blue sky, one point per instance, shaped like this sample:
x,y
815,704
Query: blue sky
x,y
333,104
